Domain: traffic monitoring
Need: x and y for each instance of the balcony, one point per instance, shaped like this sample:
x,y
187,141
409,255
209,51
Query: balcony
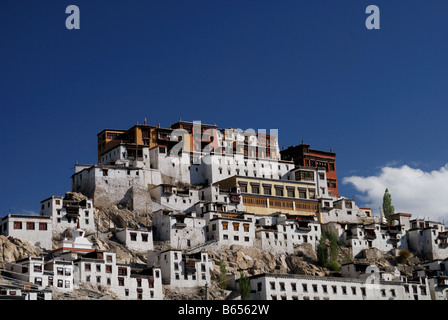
x,y
72,211
190,267
443,244
180,225
370,236
304,227
443,235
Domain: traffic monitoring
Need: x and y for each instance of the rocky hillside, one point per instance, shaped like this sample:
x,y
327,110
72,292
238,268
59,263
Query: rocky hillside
x,y
12,249
251,261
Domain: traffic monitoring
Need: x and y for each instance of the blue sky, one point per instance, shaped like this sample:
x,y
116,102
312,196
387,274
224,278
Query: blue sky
x,y
309,68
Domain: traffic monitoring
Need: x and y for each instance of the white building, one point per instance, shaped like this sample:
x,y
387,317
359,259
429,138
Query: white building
x,y
316,176
301,287
35,229
382,237
342,211
181,270
230,228
115,184
139,240
101,268
428,239
282,233
183,231
66,212
174,198
43,274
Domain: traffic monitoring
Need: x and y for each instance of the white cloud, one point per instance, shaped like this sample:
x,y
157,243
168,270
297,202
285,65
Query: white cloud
x,y
423,194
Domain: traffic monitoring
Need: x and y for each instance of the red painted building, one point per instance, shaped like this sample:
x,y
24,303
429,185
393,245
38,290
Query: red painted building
x,y
302,155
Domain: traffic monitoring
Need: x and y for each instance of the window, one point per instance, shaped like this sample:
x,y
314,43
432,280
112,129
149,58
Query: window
x,y
60,283
293,287
38,268
246,227
133,236
98,268
291,193
423,290
67,284
122,271
267,190
144,237
324,289
255,189
225,225
43,226
150,283
109,258
17,225
121,281
236,226
272,284
335,289
305,287
279,192
344,290
282,286
30,226
314,287
353,290
302,194
60,271
108,268
363,291
139,283
87,267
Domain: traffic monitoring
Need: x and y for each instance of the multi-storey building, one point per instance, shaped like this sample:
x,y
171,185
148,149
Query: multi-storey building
x,y
43,274
183,231
181,270
174,197
282,233
136,239
269,196
302,155
35,229
101,268
301,287
230,228
428,239
67,212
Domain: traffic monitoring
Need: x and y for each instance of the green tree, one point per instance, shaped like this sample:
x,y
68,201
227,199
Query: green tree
x,y
388,208
244,286
322,251
334,248
222,275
